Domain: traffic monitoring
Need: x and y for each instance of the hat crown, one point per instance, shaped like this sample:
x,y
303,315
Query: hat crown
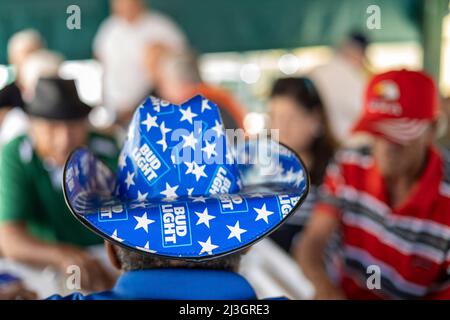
x,y
173,151
57,99
402,94
54,90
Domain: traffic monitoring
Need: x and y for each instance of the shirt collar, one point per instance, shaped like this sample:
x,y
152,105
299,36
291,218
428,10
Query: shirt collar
x,y
192,284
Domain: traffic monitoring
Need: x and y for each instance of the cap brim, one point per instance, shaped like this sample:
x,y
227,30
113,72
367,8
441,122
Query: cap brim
x,y
78,110
189,227
401,131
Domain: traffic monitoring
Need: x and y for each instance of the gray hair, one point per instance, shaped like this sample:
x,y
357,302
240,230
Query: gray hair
x,y
182,66
23,40
132,260
40,64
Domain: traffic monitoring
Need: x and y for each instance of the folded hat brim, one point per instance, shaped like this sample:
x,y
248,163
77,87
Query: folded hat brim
x,y
187,227
401,131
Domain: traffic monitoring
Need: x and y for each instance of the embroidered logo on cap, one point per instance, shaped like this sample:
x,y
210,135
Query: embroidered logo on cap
x,y
385,99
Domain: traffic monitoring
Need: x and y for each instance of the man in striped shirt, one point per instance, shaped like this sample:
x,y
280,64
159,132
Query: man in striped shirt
x,y
391,204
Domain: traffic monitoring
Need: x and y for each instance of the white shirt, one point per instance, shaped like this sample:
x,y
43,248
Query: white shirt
x,y
14,124
121,46
341,88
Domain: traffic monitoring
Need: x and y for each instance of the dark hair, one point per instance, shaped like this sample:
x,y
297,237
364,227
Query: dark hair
x,y
359,39
132,260
303,91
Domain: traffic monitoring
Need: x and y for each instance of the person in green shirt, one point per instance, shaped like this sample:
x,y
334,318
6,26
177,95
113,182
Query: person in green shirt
x,y
35,225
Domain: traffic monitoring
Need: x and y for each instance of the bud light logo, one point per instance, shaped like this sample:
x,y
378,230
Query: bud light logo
x,y
232,204
112,213
176,229
287,204
222,182
150,164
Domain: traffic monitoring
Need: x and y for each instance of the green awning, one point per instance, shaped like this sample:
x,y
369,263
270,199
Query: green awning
x,y
221,25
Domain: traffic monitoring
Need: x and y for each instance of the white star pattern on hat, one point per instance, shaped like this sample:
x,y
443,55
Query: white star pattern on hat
x,y
163,143
236,231
146,248
205,105
263,213
129,181
199,199
169,192
204,217
209,149
190,166
189,141
207,246
137,205
122,161
299,178
143,222
218,129
142,196
290,176
116,237
150,122
198,171
187,115
163,129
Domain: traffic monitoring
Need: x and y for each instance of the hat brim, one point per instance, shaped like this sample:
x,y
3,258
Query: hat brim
x,y
400,131
188,227
78,110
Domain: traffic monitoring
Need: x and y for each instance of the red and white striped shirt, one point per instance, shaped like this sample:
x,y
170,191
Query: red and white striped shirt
x,y
410,244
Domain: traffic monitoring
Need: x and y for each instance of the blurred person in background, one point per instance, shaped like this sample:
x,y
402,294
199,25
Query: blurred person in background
x,y
177,78
297,111
20,46
13,120
390,203
36,228
122,43
341,84
38,63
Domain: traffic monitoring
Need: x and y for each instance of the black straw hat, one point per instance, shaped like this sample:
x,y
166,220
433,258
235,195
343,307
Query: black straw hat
x,y
57,99
11,97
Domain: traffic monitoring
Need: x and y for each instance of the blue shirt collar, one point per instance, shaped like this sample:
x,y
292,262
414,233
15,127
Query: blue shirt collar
x,y
189,284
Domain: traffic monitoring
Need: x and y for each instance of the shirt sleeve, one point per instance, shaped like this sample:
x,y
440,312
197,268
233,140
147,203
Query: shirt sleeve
x,y
328,200
16,194
98,44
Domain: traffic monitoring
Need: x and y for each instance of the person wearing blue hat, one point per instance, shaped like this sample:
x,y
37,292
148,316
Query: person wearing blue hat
x,y
183,206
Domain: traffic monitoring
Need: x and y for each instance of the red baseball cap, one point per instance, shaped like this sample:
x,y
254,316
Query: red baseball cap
x,y
399,105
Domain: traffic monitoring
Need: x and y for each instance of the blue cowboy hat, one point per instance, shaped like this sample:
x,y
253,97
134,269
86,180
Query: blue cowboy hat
x,y
180,191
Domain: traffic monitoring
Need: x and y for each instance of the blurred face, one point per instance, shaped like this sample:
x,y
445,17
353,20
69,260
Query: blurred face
x,y
352,53
54,140
394,160
297,126
128,10
19,56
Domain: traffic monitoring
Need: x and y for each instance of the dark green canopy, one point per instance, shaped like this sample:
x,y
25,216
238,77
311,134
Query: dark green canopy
x,y
221,25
